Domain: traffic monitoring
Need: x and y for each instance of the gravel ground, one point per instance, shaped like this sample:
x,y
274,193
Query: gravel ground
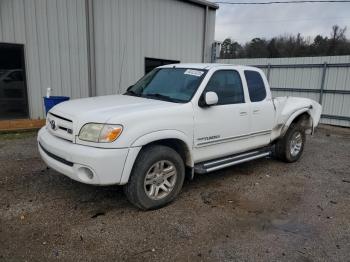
x,y
264,210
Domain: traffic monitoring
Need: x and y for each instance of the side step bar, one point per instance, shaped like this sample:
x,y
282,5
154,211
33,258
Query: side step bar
x,y
216,164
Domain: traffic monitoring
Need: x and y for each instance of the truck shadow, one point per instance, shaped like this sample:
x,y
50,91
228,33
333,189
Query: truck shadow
x,y
82,194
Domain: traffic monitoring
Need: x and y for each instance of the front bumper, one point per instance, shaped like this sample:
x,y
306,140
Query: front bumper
x,y
90,165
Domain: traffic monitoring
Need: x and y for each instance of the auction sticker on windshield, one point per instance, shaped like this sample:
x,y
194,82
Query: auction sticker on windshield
x,y
193,72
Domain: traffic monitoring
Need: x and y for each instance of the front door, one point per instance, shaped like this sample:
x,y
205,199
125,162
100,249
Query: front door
x,y
221,129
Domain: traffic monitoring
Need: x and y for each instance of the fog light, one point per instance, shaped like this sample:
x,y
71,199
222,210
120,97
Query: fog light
x,y
85,173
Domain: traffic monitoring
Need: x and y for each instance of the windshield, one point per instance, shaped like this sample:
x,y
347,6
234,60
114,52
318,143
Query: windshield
x,y
169,84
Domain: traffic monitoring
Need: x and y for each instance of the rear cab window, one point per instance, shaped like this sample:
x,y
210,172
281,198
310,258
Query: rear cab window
x,y
256,86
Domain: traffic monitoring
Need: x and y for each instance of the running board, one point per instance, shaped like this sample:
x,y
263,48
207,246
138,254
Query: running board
x,y
219,163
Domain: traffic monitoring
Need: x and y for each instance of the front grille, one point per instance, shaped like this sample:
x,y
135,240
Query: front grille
x,y
59,159
68,130
60,126
61,117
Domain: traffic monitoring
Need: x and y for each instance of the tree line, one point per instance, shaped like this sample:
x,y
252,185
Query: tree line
x,y
289,46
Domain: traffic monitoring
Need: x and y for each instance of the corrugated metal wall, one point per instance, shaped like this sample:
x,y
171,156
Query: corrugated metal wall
x,y
210,35
128,31
54,35
336,78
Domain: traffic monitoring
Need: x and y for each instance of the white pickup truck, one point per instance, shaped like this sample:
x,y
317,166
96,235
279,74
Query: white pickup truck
x,y
177,120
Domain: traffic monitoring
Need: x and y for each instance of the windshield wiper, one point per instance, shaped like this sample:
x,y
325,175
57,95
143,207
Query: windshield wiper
x,y
162,97
131,92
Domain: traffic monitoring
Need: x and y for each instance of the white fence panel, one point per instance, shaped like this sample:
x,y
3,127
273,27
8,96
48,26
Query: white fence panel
x,y
325,79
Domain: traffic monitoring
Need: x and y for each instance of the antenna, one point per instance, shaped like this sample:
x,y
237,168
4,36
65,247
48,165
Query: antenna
x,y
121,69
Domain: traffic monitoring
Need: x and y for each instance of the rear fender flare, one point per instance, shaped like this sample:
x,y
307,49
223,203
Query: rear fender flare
x,y
294,116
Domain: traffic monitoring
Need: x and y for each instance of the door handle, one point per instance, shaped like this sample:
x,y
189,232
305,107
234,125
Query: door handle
x,y
243,113
256,111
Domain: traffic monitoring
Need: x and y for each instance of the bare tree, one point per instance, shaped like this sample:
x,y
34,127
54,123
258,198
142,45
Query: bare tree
x,y
289,46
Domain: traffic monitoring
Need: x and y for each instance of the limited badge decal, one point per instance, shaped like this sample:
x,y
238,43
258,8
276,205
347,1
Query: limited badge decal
x,y
208,138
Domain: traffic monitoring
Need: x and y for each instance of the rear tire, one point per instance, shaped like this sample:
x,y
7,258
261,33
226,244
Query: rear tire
x,y
291,146
156,178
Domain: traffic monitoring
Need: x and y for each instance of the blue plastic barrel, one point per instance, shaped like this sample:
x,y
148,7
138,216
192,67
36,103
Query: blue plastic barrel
x,y
53,100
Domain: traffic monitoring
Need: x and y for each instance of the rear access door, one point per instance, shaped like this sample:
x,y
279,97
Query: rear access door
x,y
261,108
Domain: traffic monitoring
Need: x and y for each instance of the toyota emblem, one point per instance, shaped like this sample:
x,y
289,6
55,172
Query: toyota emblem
x,y
53,124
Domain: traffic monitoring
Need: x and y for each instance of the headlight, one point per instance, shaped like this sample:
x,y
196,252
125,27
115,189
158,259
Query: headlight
x,y
100,133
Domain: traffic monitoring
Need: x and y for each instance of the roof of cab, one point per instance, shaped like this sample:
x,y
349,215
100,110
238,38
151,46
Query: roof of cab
x,y
206,66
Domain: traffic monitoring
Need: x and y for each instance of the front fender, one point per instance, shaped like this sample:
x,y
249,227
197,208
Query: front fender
x,y
162,134
145,139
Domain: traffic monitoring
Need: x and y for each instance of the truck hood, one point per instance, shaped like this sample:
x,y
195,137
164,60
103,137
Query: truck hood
x,y
101,109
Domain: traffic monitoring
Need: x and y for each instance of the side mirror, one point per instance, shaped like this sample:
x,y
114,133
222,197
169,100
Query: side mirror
x,y
211,98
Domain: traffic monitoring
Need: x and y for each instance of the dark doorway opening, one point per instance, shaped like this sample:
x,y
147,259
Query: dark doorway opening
x,y
13,90
151,63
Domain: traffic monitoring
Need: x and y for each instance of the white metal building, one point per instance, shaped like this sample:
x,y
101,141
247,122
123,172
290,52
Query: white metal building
x,y
83,48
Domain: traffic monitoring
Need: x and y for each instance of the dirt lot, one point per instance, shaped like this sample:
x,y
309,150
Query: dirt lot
x,y
259,211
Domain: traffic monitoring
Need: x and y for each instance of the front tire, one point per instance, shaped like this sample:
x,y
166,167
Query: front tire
x,y
291,146
156,178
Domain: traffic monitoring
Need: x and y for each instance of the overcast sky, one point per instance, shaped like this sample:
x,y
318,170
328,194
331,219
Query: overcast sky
x,y
244,22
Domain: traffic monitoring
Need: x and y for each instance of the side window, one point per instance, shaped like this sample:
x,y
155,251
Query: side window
x,y
256,87
227,85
